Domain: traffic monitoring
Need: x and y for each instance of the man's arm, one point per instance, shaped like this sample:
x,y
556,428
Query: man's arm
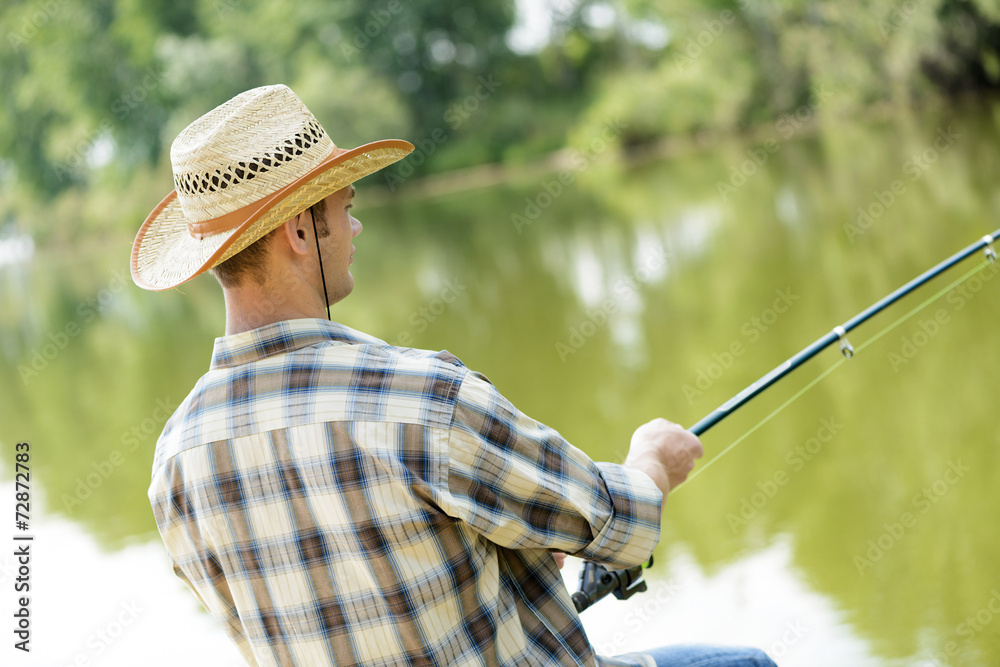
x,y
522,485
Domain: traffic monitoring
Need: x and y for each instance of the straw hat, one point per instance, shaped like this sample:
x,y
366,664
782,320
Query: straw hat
x,y
240,171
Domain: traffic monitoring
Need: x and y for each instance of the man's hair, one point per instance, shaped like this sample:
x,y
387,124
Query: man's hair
x,y
249,262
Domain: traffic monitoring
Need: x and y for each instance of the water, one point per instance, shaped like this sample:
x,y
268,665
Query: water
x,y
856,527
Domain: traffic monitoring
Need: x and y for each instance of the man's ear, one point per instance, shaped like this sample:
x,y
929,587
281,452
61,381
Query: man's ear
x,y
297,233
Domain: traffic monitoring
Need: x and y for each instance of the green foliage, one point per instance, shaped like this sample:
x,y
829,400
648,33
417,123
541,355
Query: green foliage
x,y
671,96
96,90
732,64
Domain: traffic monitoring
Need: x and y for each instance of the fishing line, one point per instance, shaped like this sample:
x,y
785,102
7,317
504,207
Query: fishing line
x,y
835,366
319,256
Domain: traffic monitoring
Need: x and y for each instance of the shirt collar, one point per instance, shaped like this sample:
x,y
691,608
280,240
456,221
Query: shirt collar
x,y
282,337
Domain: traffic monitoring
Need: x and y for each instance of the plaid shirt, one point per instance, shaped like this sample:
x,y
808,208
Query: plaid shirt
x,y
332,499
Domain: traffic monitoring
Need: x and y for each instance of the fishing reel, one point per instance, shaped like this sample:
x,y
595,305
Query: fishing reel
x,y
597,582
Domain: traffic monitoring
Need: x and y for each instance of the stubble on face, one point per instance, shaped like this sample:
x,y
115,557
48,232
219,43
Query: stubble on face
x,y
336,233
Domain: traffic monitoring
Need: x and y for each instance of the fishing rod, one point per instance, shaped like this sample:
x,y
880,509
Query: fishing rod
x,y
839,333
597,582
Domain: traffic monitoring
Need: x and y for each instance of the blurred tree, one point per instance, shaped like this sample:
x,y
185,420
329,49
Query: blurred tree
x,y
729,64
81,85
435,52
113,80
967,58
95,91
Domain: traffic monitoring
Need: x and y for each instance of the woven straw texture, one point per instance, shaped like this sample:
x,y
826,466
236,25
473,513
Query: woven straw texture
x,y
246,150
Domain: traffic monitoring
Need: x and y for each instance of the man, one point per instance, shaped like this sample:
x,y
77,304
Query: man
x,y
332,499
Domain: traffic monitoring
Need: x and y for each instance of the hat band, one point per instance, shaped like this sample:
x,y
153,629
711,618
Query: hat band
x,y
233,219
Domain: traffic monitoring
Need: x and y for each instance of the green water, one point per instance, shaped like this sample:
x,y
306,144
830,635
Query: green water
x,y
634,293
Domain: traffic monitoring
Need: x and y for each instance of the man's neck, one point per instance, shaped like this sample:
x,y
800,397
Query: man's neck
x,y
253,306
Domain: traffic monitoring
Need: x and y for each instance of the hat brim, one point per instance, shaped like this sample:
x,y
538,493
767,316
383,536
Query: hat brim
x,y
165,254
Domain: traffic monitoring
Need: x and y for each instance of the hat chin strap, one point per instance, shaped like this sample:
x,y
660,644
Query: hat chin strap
x,y
322,276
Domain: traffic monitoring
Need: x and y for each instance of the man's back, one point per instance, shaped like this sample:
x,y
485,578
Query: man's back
x,y
335,500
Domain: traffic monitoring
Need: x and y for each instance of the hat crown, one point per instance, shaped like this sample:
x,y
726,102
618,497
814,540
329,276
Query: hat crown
x,y
244,150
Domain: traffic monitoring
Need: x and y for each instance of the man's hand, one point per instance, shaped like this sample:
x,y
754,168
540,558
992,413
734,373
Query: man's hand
x,y
665,451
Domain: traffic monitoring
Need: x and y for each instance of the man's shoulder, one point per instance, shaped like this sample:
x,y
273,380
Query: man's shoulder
x,y
364,354
344,340
381,375
354,378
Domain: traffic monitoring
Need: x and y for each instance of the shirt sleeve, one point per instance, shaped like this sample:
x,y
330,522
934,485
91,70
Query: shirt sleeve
x,y
522,485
